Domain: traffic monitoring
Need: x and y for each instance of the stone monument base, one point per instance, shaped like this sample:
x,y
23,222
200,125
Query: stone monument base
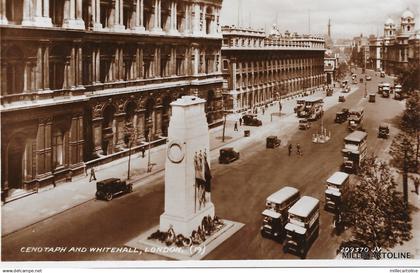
x,y
185,226
193,252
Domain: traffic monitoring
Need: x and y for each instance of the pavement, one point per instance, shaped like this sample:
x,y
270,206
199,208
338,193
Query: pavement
x,y
51,201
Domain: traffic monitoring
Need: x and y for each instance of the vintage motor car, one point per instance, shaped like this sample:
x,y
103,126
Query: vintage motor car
x,y
383,131
275,213
336,192
272,142
341,99
227,155
368,78
303,226
382,74
372,97
108,188
340,117
251,120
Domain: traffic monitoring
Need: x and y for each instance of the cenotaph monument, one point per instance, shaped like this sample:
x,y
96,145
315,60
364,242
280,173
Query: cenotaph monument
x,y
188,221
185,202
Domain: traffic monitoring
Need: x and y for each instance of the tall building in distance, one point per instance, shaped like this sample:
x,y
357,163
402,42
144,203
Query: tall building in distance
x,y
260,68
82,81
397,48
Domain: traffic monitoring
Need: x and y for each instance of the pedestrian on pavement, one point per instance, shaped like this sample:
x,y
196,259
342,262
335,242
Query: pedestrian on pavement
x,y
416,185
290,149
235,128
298,150
92,175
240,121
280,106
142,150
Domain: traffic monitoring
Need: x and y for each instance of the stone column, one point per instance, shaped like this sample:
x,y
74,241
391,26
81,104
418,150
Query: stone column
x,y
118,17
42,17
139,24
27,12
3,18
196,59
46,71
187,19
196,19
96,14
203,21
157,17
73,15
172,26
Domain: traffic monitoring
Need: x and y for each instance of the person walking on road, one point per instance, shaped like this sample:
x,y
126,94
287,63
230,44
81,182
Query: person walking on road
x,y
416,185
235,128
298,150
263,111
142,150
92,175
240,121
290,149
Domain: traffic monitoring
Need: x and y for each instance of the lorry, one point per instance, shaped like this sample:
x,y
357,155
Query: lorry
x,y
303,226
354,151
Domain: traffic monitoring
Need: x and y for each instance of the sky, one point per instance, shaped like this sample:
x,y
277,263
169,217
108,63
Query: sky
x,y
349,18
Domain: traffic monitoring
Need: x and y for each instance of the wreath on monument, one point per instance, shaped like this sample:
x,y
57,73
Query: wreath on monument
x,y
207,227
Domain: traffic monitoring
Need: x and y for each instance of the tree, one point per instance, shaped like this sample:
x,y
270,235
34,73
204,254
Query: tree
x,y
410,121
409,78
342,70
374,209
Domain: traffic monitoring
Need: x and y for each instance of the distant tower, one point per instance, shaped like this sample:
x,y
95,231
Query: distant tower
x,y
329,27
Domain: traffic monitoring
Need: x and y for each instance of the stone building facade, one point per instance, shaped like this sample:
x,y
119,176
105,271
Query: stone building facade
x,y
260,68
395,50
82,80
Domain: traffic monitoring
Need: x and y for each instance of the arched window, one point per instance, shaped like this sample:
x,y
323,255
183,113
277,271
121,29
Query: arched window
x,y
57,147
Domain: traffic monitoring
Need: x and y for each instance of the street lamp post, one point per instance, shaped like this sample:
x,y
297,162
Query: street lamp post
x,y
224,125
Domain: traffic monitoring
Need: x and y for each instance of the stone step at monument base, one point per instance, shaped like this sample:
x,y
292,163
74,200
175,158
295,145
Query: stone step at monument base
x,y
194,252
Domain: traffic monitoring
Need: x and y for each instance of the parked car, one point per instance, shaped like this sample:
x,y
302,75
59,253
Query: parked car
x,y
341,99
227,155
251,120
272,142
304,124
108,188
383,131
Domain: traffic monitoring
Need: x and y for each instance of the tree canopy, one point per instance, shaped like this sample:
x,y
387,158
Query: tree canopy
x,y
374,209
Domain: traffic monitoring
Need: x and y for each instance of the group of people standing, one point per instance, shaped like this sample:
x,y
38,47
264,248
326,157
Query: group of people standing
x,y
298,149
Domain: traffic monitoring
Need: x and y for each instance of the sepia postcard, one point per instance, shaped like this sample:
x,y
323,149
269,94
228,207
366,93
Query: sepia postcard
x,y
210,133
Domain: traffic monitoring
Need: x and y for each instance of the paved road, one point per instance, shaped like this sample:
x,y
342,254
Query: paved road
x,y
239,192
